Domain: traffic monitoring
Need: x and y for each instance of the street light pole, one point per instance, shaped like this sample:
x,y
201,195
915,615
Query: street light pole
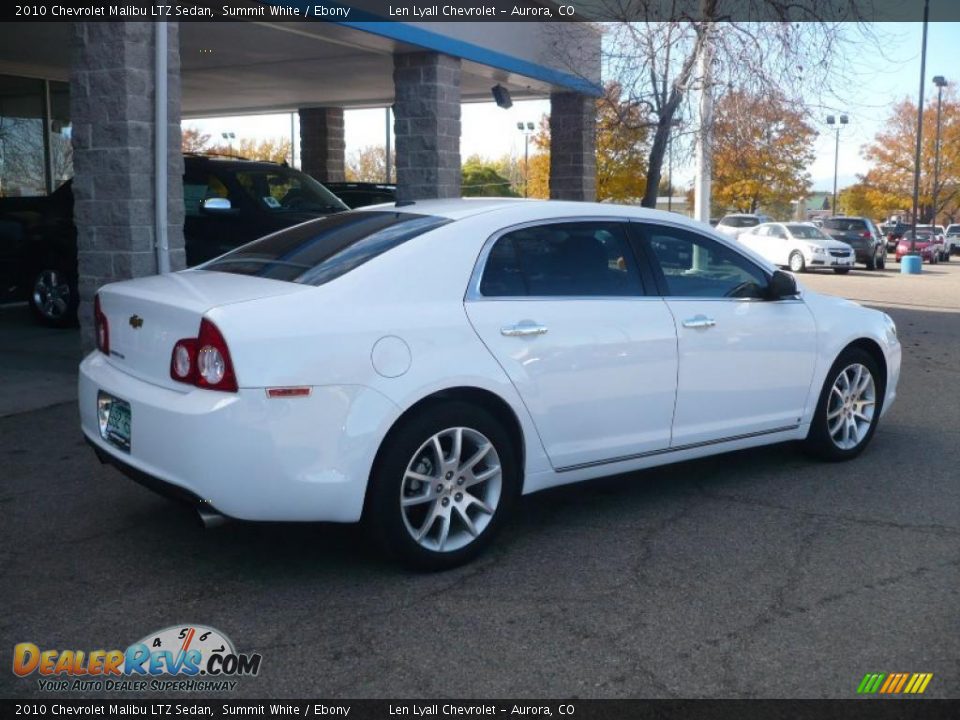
x,y
916,159
831,120
527,130
941,83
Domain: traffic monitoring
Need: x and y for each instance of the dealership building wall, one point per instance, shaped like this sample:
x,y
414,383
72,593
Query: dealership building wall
x,y
110,98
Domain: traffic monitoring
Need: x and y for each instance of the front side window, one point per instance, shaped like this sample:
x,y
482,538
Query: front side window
x,y
695,266
578,259
281,189
316,252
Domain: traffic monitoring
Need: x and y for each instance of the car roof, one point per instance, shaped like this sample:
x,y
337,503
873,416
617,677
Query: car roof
x,y
521,210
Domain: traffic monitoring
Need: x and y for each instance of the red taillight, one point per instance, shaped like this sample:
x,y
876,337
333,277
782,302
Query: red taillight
x,y
101,327
204,361
866,234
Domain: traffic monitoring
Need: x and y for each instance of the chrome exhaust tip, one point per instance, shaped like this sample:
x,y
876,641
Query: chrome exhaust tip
x,y
210,518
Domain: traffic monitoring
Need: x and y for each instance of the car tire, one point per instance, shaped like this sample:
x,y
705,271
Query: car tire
x,y
946,256
841,271
872,262
848,409
882,260
797,263
451,518
53,297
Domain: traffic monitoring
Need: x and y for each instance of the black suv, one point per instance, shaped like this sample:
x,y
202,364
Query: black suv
x,y
227,202
362,194
860,233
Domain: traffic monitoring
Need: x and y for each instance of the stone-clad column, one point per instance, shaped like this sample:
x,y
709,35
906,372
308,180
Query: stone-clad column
x,y
113,130
573,147
322,145
427,125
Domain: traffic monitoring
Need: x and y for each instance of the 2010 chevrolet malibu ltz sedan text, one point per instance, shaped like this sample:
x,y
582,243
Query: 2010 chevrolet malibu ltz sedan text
x,y
420,366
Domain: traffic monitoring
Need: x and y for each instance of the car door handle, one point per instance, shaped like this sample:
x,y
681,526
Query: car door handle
x,y
699,321
523,328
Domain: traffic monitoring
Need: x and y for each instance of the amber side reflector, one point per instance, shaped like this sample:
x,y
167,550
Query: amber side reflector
x,y
286,392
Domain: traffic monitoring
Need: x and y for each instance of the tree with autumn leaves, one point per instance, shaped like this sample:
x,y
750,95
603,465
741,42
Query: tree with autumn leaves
x,y
887,188
762,148
275,149
622,149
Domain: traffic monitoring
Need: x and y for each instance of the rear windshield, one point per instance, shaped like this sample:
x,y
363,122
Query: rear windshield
x,y
952,229
845,225
318,251
739,222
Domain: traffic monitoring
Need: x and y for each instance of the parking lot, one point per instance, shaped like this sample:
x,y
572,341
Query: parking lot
x,y
757,574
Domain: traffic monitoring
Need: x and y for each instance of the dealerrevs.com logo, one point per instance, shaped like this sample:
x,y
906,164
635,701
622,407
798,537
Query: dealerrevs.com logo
x,y
183,658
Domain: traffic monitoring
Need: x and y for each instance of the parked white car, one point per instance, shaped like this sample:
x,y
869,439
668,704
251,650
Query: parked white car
x,y
798,246
422,366
734,224
952,240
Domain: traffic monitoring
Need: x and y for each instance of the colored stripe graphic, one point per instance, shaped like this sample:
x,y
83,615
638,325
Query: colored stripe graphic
x,y
903,679
894,683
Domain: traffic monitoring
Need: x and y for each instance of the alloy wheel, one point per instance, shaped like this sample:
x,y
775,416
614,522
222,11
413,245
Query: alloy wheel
x,y
51,294
851,406
451,489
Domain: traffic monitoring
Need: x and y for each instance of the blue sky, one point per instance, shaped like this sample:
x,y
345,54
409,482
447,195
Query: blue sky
x,y
878,78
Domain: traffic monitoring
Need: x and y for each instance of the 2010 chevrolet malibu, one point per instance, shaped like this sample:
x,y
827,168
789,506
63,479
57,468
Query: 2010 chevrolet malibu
x,y
420,366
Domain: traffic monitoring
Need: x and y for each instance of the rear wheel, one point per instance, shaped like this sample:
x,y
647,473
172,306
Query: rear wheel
x,y
797,263
849,407
53,297
881,259
442,487
872,262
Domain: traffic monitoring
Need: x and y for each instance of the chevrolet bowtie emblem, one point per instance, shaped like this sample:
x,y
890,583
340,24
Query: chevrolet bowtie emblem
x,y
136,322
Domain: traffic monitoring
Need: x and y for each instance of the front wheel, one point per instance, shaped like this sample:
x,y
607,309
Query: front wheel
x,y
442,486
849,407
797,263
53,298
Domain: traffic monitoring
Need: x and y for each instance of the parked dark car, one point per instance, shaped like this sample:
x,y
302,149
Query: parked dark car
x,y
38,254
361,194
227,202
860,233
893,232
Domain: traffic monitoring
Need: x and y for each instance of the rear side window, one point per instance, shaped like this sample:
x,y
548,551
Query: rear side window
x,y
319,251
588,259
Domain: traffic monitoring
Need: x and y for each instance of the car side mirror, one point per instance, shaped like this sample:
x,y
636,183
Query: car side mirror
x,y
782,285
217,205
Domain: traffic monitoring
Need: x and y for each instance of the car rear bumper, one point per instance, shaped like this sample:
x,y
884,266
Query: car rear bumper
x,y
243,454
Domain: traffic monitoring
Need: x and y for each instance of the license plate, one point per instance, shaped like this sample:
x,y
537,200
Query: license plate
x,y
115,420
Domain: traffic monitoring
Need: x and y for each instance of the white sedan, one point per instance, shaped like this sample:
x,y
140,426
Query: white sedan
x,y
798,246
420,366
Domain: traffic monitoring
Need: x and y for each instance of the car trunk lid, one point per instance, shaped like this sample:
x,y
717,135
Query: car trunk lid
x,y
148,315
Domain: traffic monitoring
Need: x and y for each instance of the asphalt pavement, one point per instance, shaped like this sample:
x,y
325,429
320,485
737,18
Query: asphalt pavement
x,y
754,574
